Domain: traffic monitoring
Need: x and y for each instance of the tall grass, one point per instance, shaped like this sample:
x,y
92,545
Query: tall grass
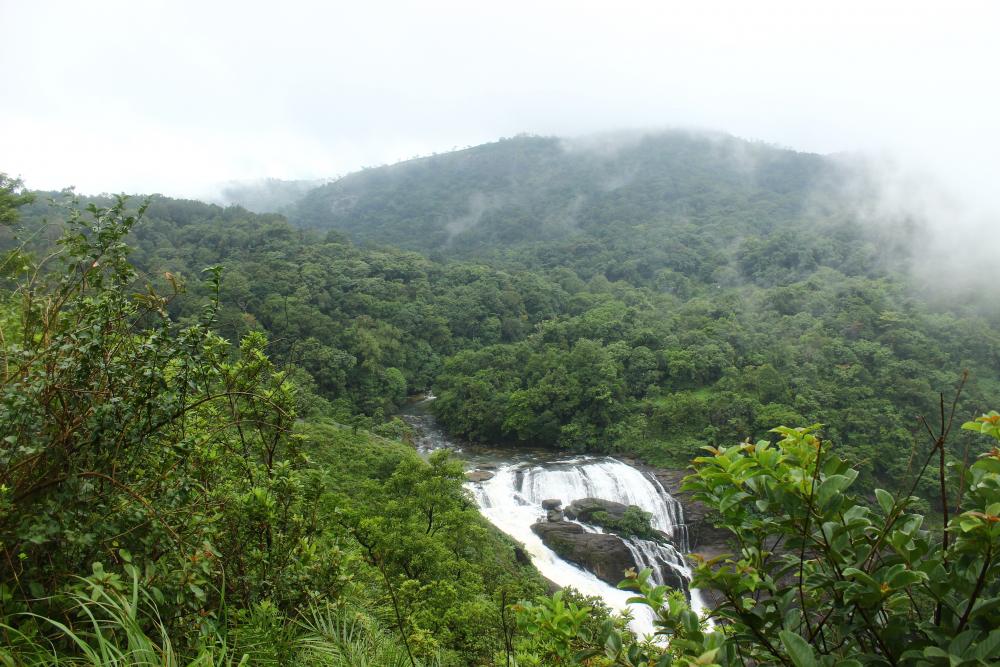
x,y
344,637
111,632
119,630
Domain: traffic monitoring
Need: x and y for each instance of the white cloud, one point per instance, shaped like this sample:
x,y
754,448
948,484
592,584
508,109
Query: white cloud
x,y
173,96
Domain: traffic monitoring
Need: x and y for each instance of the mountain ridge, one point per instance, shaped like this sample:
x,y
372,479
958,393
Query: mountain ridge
x,y
530,189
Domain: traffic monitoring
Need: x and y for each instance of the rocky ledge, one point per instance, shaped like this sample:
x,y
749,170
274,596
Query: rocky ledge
x,y
585,509
479,475
590,510
603,554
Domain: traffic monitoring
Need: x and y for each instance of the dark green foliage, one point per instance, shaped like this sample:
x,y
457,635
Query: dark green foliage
x,y
719,289
215,443
576,198
368,326
438,562
821,578
663,377
125,433
12,197
708,288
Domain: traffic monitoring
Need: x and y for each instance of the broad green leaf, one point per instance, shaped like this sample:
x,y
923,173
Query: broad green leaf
x,y
988,647
885,500
833,485
798,649
613,645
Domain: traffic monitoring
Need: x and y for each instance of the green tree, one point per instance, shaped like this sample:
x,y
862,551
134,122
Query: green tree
x,y
125,435
12,197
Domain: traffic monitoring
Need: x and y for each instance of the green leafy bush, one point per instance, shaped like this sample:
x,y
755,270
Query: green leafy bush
x,y
821,578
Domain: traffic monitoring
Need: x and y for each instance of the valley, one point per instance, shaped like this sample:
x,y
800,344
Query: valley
x,y
652,374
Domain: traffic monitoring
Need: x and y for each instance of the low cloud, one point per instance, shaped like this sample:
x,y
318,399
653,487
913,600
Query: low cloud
x,y
947,234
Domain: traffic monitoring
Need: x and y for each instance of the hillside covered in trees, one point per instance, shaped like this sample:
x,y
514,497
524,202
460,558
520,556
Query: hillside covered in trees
x,y
645,295
221,384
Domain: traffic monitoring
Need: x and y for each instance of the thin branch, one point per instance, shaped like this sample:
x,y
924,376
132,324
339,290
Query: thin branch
x,y
145,503
978,589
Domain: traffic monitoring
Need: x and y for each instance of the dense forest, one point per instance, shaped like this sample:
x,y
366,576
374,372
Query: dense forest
x,y
152,472
201,459
720,289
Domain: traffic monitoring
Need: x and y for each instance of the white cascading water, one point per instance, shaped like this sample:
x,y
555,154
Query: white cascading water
x,y
512,501
656,556
605,478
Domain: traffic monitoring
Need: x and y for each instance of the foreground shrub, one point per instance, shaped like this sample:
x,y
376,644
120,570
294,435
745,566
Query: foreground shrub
x,y
820,577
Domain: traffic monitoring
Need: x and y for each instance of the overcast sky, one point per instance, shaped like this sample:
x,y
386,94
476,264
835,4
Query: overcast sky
x,y
178,96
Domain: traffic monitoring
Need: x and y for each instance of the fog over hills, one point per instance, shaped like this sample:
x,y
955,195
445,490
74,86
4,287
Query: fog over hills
x,y
529,189
266,195
638,191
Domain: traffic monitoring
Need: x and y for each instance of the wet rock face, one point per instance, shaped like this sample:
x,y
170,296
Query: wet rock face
x,y
553,511
676,581
605,555
479,475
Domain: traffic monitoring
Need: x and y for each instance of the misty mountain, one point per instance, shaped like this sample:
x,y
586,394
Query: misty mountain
x,y
670,210
525,190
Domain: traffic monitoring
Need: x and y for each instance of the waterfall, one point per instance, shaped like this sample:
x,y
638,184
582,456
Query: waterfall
x,y
679,534
658,557
512,501
605,478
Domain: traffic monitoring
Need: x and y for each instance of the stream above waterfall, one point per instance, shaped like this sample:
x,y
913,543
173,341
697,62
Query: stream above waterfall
x,y
515,481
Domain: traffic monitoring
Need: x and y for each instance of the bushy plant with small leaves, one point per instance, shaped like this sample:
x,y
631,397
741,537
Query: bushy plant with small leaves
x,y
820,577
125,432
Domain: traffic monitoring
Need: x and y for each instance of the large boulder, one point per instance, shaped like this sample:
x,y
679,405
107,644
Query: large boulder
x,y
604,555
479,475
585,509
